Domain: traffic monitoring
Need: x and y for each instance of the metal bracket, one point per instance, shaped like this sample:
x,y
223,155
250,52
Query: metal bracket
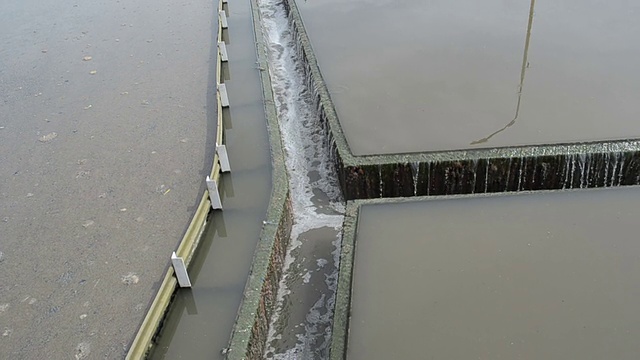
x,y
224,99
221,150
214,195
180,270
222,47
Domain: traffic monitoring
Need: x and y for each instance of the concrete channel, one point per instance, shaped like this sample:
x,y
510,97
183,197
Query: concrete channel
x,y
196,322
200,320
473,173
476,172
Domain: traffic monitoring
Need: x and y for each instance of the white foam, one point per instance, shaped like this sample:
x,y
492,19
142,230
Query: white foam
x,y
306,155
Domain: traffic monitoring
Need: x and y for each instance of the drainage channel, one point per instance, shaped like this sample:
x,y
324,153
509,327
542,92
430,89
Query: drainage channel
x,y
300,327
199,321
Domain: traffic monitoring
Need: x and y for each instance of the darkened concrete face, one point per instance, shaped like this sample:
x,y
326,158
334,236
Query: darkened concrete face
x,y
410,76
539,276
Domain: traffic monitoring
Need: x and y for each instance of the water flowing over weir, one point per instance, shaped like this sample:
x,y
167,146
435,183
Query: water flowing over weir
x,y
301,324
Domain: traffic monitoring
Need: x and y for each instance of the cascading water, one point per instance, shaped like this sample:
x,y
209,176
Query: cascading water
x,y
301,325
415,168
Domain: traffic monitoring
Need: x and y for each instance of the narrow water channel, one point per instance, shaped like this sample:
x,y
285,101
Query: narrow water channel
x,y
200,320
300,327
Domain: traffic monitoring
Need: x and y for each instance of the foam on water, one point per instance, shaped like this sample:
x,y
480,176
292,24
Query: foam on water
x,y
315,195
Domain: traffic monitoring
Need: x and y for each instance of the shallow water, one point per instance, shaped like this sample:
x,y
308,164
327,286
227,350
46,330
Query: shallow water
x,y
200,321
409,76
535,276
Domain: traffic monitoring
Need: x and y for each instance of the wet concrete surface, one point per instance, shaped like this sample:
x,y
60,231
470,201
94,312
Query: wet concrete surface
x,y
200,320
106,134
412,76
534,276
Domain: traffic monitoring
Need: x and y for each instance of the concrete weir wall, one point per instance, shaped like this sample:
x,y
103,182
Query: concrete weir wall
x,y
538,167
509,169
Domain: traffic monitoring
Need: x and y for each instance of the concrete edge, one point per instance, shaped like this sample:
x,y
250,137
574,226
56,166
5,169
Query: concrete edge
x,y
456,171
341,314
187,247
248,338
142,342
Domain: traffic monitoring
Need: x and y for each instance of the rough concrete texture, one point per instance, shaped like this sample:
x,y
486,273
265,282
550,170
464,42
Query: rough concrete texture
x,y
104,144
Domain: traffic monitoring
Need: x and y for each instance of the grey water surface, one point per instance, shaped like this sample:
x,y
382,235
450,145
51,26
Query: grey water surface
x,y
536,276
412,76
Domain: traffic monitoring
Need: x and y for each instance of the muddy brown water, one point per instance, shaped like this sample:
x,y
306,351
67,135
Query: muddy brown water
x,y
200,320
536,276
99,173
409,76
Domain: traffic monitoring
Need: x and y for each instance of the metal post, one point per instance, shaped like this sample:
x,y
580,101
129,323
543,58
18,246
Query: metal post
x,y
180,270
224,99
223,19
214,195
222,47
224,158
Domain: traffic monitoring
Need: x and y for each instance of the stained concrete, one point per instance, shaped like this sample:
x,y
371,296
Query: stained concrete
x,y
548,275
104,143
